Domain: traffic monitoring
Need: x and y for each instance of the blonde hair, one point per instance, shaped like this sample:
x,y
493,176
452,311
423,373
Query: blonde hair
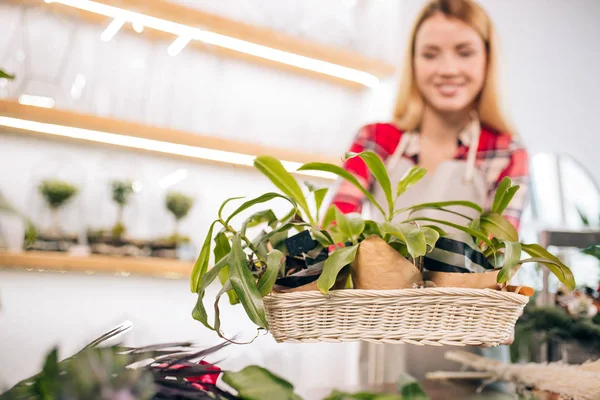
x,y
410,103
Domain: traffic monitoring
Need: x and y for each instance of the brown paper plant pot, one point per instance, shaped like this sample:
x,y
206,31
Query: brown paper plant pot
x,y
378,266
475,280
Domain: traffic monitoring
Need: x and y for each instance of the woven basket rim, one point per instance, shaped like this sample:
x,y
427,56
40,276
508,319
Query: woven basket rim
x,y
401,293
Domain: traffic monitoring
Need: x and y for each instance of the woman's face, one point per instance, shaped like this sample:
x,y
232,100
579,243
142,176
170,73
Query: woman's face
x,y
450,63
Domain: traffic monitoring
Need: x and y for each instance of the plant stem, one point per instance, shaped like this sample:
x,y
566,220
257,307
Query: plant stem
x,y
55,221
228,228
120,214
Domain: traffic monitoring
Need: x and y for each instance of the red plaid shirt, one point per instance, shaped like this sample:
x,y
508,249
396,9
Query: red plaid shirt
x,y
498,155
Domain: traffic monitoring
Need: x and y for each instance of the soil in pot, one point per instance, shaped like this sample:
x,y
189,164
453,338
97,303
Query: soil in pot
x,y
378,266
52,242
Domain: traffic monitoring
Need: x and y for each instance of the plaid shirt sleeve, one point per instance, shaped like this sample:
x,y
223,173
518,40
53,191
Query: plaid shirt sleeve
x,y
379,138
515,166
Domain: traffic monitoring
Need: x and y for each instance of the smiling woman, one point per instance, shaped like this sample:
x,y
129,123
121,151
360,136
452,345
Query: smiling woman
x,y
447,120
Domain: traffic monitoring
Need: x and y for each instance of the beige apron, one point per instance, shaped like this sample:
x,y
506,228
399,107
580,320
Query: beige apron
x,y
452,180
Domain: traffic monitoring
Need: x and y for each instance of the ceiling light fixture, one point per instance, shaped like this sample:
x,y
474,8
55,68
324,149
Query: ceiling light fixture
x,y
112,29
36,101
178,45
139,28
148,144
228,42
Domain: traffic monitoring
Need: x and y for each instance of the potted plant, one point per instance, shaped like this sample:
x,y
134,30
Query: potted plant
x,y
379,255
495,237
57,194
121,193
179,204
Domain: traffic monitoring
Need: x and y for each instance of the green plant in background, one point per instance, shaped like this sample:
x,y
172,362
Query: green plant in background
x,y
179,205
56,193
162,372
553,323
7,208
6,75
121,194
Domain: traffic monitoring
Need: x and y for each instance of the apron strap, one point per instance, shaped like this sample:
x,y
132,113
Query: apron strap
x,y
399,152
475,130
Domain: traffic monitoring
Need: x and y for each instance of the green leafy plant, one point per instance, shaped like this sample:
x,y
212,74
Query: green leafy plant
x,y
121,194
170,371
6,75
494,234
164,371
179,205
57,193
248,268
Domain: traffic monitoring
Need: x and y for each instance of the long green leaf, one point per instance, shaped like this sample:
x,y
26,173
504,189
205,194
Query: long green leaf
x,y
319,197
465,229
498,226
377,168
512,255
412,176
510,193
275,261
350,225
322,237
260,199
333,265
244,284
227,287
201,264
258,218
220,214
411,235
553,263
222,250
341,172
329,216
441,204
199,312
431,236
500,193
275,171
6,75
257,383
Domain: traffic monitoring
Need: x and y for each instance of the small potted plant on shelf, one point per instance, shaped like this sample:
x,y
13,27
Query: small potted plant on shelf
x,y
376,255
179,205
121,194
57,194
114,241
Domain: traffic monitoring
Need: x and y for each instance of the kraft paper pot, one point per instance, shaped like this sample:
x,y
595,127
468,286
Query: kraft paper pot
x,y
378,266
474,280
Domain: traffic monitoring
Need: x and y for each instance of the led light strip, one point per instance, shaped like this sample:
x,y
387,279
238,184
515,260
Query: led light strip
x,y
216,39
149,144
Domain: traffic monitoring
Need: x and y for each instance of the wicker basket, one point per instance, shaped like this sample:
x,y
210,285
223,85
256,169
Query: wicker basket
x,y
431,316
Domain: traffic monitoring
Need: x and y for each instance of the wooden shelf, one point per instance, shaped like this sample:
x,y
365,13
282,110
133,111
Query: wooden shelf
x,y
53,116
56,261
214,23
